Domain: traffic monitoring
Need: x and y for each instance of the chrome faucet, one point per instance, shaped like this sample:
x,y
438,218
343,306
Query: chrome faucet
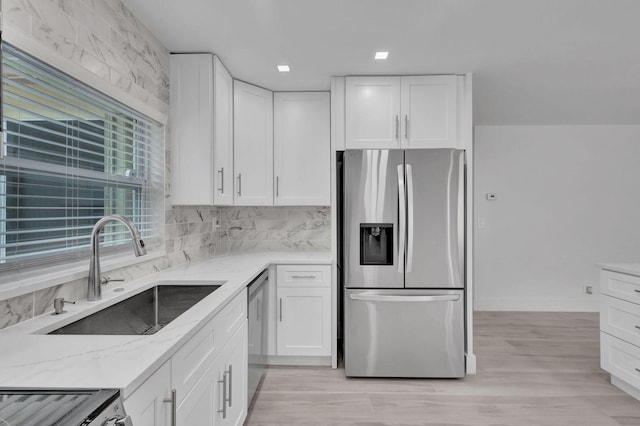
x,y
94,290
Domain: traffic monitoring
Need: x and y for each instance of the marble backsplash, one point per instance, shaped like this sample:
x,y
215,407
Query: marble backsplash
x,y
273,228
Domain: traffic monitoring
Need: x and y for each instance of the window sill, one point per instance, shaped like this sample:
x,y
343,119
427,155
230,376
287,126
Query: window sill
x,y
18,284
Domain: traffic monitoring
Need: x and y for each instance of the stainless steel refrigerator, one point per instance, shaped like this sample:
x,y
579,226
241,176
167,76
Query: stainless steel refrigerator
x,y
404,227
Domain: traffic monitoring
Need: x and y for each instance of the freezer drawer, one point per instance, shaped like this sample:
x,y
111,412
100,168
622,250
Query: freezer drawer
x,y
404,333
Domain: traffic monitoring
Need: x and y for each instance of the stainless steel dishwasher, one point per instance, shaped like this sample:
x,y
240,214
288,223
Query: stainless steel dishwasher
x,y
258,312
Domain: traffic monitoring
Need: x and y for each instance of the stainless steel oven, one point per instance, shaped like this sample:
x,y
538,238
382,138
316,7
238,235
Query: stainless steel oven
x,y
101,407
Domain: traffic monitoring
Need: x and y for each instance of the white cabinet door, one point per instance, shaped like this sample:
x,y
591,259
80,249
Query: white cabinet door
x,y
372,112
429,111
253,145
223,134
199,406
304,321
232,364
191,125
146,404
302,148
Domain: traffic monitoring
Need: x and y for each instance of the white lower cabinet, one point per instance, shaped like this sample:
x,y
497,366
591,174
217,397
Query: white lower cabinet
x,y
619,325
304,310
208,374
147,406
231,402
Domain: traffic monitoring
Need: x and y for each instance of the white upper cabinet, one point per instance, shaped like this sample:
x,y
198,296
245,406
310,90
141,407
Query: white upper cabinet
x,y
223,134
253,145
401,112
372,112
201,131
191,91
429,111
302,148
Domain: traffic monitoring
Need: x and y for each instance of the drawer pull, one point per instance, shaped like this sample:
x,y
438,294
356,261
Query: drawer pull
x,y
638,370
637,291
638,327
303,277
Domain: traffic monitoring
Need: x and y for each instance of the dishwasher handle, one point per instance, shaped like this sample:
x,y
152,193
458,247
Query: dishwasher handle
x,y
398,298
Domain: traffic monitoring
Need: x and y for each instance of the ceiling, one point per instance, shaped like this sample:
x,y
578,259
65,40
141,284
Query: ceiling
x,y
534,61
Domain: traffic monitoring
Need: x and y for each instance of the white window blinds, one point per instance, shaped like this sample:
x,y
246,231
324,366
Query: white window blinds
x,y
70,156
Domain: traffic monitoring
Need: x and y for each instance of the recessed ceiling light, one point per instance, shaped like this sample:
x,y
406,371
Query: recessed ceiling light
x,y
381,55
283,68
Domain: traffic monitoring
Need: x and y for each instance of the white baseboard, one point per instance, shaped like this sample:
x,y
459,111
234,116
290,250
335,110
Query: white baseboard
x,y
299,360
540,305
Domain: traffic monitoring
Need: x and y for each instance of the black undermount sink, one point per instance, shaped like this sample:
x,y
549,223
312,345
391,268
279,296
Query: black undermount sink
x,y
142,314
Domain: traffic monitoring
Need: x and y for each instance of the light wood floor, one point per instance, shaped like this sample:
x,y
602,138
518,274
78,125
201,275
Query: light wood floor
x,y
533,369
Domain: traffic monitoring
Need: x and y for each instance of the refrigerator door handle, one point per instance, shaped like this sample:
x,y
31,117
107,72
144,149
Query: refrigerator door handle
x,y
397,298
409,218
402,218
459,271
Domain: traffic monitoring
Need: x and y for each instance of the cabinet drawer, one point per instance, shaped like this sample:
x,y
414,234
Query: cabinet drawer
x,y
622,286
232,317
620,358
303,275
620,319
195,357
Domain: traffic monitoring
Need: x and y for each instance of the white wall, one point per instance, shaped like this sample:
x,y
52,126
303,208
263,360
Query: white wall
x,y
568,197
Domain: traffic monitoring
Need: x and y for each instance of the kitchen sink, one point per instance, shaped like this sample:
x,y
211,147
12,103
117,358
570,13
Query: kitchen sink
x,y
144,313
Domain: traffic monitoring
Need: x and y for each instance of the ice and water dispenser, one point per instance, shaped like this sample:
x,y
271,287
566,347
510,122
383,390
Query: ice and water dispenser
x,y
376,244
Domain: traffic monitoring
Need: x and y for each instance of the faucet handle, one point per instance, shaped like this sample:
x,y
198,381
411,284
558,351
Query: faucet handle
x,y
58,305
105,280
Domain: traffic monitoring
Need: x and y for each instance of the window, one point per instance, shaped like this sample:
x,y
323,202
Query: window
x,y
70,156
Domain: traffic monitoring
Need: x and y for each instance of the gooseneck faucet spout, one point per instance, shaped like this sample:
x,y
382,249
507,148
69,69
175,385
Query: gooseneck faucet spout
x,y
94,290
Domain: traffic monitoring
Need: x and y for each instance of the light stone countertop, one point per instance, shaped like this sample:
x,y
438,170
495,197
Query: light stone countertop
x,y
625,268
31,359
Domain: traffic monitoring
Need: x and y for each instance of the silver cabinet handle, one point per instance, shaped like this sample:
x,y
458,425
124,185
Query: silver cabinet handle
x,y
406,127
638,370
230,385
637,291
277,186
402,218
397,127
174,406
239,184
303,277
224,395
281,309
221,171
398,298
638,327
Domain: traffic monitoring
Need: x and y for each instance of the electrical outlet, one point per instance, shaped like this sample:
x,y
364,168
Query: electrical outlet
x,y
588,289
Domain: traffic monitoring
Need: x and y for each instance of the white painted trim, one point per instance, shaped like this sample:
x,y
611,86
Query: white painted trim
x,y
23,41
626,387
471,363
548,304
334,239
466,139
